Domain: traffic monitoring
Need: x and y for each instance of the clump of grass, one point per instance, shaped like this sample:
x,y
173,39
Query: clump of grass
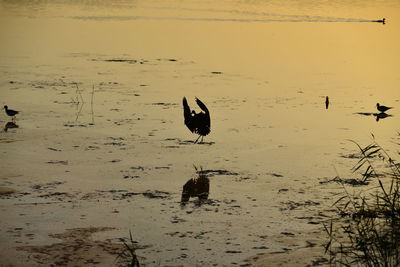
x,y
128,257
368,225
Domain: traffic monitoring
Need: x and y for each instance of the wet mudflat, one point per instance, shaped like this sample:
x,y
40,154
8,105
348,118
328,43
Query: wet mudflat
x,y
100,148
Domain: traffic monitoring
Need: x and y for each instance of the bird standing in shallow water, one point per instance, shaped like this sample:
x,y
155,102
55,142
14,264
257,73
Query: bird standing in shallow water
x,y
198,123
382,108
11,112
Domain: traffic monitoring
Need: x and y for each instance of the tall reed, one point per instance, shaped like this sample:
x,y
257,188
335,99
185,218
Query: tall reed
x,y
366,231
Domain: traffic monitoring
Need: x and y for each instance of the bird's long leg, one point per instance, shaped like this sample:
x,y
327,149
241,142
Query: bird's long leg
x,y
202,137
197,139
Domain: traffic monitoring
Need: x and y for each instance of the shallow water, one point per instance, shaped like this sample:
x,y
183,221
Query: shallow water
x,y
263,68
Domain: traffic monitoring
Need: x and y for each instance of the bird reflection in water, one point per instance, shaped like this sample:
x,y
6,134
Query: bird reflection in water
x,y
10,125
199,123
378,116
381,115
196,187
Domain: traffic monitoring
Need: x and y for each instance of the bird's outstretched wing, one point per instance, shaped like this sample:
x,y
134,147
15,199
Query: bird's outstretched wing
x,y
206,120
188,115
201,105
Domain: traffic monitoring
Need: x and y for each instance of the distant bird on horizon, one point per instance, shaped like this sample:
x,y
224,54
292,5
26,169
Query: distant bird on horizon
x,y
382,108
383,21
199,123
326,102
10,112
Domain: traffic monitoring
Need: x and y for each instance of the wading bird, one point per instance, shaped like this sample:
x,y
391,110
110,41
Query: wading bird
x,y
11,112
382,108
198,123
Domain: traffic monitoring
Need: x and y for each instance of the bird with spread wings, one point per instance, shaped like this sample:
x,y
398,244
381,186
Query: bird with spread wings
x,y
198,123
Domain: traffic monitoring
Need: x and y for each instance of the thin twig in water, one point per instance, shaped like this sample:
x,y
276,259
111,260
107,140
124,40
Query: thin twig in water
x,y
128,255
91,104
79,109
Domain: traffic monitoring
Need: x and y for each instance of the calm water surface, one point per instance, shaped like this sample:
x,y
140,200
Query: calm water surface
x,y
279,60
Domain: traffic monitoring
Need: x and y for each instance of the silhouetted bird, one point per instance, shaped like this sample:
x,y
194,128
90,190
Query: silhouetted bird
x,y
326,102
198,123
382,108
10,112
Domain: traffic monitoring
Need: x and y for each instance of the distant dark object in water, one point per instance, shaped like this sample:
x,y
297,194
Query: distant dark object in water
x,y
382,108
383,21
11,112
199,123
10,125
196,187
326,102
130,61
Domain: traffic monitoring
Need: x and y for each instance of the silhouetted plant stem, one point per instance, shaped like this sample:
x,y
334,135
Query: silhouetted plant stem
x,y
368,229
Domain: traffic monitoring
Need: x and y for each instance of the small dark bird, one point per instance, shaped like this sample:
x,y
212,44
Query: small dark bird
x,y
382,108
326,102
198,123
11,112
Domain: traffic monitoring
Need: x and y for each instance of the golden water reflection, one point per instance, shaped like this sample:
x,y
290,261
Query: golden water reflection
x,y
262,75
254,66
